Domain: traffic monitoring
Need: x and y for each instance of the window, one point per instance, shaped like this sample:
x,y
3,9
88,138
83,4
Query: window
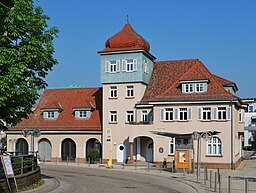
x,y
129,116
50,115
222,114
112,66
240,115
129,91
189,88
214,146
113,117
129,65
199,87
144,116
82,114
206,113
172,146
169,114
183,114
145,67
113,92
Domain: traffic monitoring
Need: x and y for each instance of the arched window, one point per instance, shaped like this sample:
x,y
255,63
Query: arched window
x,y
21,147
214,146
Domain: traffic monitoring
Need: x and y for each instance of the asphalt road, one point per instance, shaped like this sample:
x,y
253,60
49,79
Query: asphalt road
x,y
65,179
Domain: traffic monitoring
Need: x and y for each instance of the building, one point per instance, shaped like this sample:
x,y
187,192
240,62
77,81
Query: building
x,y
250,121
64,125
151,111
153,108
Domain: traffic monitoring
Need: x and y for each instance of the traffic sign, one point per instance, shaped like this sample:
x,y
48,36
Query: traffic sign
x,y
108,136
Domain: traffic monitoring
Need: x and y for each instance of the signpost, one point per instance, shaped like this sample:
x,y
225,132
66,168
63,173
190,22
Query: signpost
x,y
109,141
8,170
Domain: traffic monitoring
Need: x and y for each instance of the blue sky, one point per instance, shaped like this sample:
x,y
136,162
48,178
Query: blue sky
x,y
221,33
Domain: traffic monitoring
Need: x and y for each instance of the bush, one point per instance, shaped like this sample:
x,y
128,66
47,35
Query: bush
x,y
248,148
93,154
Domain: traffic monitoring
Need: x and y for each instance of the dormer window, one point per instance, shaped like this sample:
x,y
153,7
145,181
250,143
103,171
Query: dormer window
x,y
50,115
84,113
197,86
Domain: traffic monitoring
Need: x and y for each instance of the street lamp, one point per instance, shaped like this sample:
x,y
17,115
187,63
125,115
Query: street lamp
x,y
34,133
207,135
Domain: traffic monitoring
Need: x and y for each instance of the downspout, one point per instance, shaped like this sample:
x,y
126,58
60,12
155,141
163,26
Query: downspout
x,y
232,141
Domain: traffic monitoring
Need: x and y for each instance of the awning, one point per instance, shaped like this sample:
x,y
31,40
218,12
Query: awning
x,y
181,135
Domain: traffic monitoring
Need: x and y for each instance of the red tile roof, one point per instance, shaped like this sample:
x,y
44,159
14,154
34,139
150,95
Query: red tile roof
x,y
69,99
165,82
126,39
223,81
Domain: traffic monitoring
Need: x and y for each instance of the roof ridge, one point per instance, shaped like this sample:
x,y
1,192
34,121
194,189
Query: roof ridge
x,y
196,59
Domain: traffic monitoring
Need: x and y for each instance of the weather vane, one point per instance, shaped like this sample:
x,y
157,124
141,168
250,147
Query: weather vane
x,y
127,18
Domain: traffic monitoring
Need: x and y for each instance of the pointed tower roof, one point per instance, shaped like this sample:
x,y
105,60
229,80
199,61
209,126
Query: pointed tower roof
x,y
126,39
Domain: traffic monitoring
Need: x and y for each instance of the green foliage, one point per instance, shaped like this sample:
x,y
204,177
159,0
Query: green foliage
x,y
26,56
32,186
93,154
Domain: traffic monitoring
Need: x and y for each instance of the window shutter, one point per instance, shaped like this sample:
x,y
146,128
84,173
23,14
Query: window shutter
x,y
107,66
88,114
200,113
118,65
161,114
214,113
45,115
176,114
76,114
183,88
135,64
123,65
229,113
189,114
56,113
205,87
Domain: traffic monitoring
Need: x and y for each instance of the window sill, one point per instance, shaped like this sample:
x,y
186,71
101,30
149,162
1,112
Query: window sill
x,y
222,120
206,120
112,98
171,154
112,122
129,97
214,155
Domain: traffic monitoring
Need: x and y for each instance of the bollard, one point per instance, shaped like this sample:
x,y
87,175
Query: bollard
x,y
229,184
160,168
148,166
123,164
204,176
135,165
56,160
215,182
218,171
246,185
219,183
89,161
78,161
211,179
22,165
67,160
172,168
206,173
99,162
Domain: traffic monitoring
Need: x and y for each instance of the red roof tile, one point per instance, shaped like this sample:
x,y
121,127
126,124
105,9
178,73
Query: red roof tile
x,y
69,99
126,39
223,81
165,82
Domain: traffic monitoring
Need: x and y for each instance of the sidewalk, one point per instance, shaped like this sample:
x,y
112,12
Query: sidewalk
x,y
247,170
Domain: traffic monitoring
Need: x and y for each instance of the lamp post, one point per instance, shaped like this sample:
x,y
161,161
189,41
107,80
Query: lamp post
x,y
197,136
34,133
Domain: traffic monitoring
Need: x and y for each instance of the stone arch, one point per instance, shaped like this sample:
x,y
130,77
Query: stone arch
x,y
21,147
68,150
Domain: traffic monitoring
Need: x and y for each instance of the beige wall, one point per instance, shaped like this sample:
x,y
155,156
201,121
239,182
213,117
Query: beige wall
x,y
56,141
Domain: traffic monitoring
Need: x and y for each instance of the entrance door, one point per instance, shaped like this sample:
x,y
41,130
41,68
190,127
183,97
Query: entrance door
x,y
121,153
45,150
149,153
68,150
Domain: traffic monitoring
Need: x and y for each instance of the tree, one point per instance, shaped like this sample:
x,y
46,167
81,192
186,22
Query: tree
x,y
26,56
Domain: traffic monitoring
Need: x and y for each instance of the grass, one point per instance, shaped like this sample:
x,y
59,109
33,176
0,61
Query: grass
x,y
32,186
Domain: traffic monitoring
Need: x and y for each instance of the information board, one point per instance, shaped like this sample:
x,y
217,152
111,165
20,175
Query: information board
x,y
7,164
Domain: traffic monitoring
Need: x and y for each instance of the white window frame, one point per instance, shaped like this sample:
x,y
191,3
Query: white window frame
x,y
145,66
240,115
82,114
113,116
214,146
206,113
113,92
222,113
129,116
183,112
172,146
144,116
189,88
129,65
168,114
50,115
199,87
129,91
